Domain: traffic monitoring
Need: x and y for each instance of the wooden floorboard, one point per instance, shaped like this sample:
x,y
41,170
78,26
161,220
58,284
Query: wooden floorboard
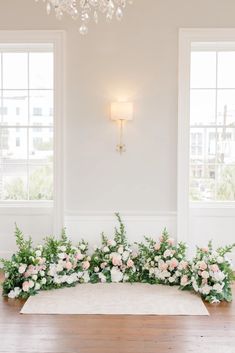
x,y
116,334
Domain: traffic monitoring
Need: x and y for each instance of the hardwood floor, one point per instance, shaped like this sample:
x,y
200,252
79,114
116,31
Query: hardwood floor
x,y
116,334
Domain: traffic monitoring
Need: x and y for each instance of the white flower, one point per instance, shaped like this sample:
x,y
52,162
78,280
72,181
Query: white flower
x,y
43,281
167,253
218,287
34,277
206,289
37,286
112,242
151,271
214,300
125,255
105,249
96,269
80,274
14,293
62,255
219,276
22,268
31,284
195,286
125,278
38,253
102,277
86,277
62,248
171,279
116,275
120,249
205,274
42,273
60,267
220,259
82,247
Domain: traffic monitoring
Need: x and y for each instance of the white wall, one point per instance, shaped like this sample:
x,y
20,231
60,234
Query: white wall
x,y
137,59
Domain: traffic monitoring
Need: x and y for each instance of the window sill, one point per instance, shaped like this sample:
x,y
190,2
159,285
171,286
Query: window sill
x,y
26,207
212,209
212,205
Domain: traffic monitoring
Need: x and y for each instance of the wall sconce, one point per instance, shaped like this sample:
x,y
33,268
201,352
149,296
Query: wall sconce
x,y
121,112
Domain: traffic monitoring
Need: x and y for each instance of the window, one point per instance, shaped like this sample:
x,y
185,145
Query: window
x,y
26,101
212,122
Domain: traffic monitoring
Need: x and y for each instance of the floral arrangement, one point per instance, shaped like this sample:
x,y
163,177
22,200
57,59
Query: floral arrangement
x,y
115,260
53,265
211,274
162,261
57,263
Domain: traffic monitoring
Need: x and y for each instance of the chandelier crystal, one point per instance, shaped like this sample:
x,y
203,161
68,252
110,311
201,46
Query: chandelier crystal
x,y
87,10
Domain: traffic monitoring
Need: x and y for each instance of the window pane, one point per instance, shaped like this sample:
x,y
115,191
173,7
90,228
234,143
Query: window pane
x,y
15,70
13,144
13,182
41,70
203,145
226,107
41,145
226,146
226,70
202,182
41,107
15,107
226,183
203,69
41,182
202,107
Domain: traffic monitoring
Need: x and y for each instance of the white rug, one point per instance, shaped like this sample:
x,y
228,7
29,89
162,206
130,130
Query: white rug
x,y
116,299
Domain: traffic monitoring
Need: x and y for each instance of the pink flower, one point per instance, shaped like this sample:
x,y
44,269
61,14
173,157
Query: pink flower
x,y
184,280
183,265
205,249
157,246
68,265
167,253
204,281
116,261
103,265
163,266
130,263
171,241
202,265
205,274
25,286
85,265
79,256
174,263
214,268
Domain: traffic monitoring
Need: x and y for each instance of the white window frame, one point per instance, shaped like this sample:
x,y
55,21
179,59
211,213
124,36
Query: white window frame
x,y
57,39
184,206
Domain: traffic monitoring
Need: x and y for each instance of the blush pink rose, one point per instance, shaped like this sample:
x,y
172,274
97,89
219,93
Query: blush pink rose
x,y
202,265
85,265
171,241
116,261
163,266
103,265
79,256
205,249
130,263
174,263
214,268
25,286
68,265
184,280
205,274
157,246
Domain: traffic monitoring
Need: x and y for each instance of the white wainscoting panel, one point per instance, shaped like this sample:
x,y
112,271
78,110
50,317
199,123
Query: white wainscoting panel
x,y
89,225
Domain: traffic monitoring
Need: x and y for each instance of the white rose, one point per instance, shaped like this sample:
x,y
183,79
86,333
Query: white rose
x,y
195,286
167,253
43,281
34,277
120,249
205,274
102,277
86,277
37,286
105,249
96,269
22,268
125,255
219,276
218,288
116,275
82,247
42,273
220,259
62,248
206,289
31,284
38,253
171,279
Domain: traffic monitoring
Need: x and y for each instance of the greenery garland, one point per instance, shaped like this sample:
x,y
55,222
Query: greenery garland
x,y
58,263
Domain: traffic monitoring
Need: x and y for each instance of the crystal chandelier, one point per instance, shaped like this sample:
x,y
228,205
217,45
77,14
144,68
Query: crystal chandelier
x,y
87,10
